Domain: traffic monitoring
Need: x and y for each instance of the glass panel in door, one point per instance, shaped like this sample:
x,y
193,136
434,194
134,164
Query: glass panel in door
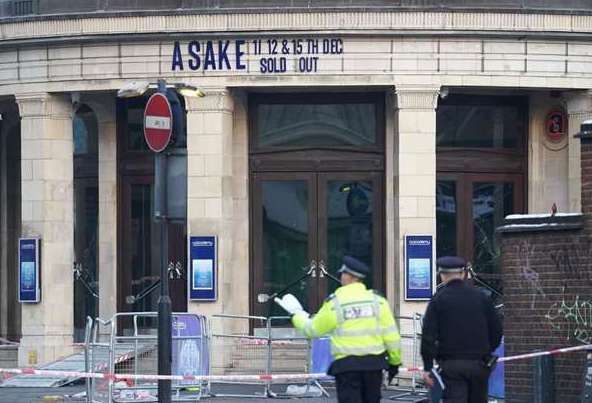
x,y
144,252
86,274
446,218
86,215
283,238
491,202
350,224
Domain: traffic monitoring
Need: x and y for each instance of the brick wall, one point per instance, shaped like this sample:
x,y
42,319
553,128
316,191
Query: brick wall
x,y
547,269
547,286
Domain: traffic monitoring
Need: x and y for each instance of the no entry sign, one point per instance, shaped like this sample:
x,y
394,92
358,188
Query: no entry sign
x,y
158,124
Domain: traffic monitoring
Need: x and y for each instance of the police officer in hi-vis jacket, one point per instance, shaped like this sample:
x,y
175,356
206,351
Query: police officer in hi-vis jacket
x,y
364,338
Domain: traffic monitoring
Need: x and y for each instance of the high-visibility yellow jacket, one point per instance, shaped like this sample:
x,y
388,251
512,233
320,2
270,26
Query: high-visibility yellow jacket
x,y
359,322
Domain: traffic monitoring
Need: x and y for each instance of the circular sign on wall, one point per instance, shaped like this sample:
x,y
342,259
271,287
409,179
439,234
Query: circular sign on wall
x,y
556,126
158,125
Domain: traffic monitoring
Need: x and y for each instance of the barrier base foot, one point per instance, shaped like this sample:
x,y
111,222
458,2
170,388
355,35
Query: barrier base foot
x,y
411,396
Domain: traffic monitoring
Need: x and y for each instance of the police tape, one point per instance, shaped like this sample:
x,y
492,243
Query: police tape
x,y
144,377
244,378
549,352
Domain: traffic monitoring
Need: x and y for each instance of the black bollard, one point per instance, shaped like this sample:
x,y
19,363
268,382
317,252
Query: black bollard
x,y
544,379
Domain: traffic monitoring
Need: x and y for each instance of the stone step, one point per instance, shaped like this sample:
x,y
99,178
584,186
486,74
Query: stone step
x,y
261,346
8,356
246,371
276,355
251,358
261,363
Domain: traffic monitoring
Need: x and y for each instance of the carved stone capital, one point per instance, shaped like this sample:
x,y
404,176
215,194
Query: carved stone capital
x,y
416,97
216,100
43,104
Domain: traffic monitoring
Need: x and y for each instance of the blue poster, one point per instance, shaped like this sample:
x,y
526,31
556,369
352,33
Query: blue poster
x,y
190,348
203,274
419,274
29,280
202,268
419,277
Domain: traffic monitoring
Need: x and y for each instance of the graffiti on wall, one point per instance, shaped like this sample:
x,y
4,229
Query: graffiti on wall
x,y
573,316
573,313
573,261
530,279
570,314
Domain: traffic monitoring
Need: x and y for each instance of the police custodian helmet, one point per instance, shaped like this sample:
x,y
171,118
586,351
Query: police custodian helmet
x,y
354,267
451,264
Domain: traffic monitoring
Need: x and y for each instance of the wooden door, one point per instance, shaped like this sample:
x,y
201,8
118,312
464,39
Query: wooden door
x,y
468,209
350,222
308,219
141,249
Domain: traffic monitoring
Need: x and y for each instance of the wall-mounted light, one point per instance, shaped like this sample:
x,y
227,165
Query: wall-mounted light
x,y
133,89
138,88
189,91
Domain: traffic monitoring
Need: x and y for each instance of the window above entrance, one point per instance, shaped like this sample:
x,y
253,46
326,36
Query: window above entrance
x,y
480,122
85,129
298,121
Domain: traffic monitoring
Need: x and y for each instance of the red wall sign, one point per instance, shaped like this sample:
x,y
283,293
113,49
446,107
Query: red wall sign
x,y
556,125
158,122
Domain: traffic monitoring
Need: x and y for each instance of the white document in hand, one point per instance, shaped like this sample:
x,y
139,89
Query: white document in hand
x,y
438,378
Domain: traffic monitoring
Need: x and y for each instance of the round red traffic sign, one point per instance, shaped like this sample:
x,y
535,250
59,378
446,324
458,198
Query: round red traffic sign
x,y
158,122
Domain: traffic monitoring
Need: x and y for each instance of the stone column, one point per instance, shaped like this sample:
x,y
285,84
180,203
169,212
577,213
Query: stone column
x,y
3,234
579,108
104,108
47,212
10,219
210,208
415,173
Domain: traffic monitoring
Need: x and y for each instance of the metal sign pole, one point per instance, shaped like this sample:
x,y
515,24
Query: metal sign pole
x,y
164,300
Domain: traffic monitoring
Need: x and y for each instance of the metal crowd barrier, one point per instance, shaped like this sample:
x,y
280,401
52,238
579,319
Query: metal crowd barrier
x,y
127,344
222,345
243,344
407,385
98,353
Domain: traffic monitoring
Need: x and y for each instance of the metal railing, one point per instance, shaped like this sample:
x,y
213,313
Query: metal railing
x,y
407,384
242,344
127,344
98,357
222,345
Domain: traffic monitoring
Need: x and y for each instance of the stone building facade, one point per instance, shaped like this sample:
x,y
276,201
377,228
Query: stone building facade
x,y
324,131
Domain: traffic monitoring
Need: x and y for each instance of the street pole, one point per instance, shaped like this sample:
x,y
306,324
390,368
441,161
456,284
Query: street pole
x,y
164,300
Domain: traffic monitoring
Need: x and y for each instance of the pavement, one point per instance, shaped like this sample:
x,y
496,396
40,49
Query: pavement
x,y
35,395
67,393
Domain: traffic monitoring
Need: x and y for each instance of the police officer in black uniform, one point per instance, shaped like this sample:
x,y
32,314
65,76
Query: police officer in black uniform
x,y
460,331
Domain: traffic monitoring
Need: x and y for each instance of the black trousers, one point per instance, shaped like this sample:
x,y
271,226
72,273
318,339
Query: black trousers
x,y
359,386
466,381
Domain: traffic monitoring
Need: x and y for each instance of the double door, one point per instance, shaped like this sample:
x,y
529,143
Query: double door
x,y
304,220
469,207
141,250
